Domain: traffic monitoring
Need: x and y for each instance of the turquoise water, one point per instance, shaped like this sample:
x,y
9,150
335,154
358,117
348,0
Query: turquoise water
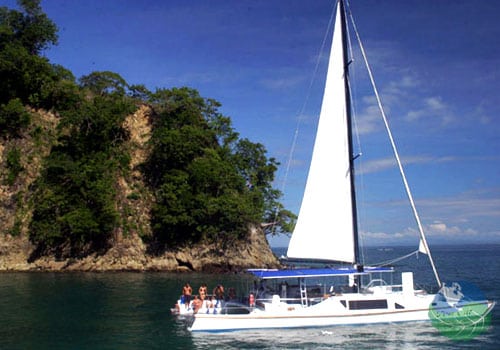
x,y
132,310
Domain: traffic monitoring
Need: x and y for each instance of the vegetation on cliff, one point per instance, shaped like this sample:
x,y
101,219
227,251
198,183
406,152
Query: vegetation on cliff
x,y
202,182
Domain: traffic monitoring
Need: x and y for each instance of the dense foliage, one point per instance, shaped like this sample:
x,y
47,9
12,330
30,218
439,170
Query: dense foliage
x,y
208,183
75,196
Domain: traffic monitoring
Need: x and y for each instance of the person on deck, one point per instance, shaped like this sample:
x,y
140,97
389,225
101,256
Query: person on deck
x,y
186,294
196,304
203,291
218,293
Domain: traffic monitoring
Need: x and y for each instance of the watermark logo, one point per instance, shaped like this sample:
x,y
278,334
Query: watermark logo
x,y
460,311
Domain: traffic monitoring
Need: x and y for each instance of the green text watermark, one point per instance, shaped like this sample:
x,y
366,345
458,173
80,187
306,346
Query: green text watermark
x,y
460,311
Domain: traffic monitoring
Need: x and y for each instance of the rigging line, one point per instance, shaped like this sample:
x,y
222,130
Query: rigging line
x,y
396,154
301,112
389,262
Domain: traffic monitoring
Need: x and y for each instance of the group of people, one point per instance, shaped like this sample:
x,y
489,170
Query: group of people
x,y
203,300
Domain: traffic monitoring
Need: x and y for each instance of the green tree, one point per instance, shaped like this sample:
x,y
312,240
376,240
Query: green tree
x,y
23,35
59,91
31,28
75,203
13,117
219,192
140,93
75,196
104,83
209,185
25,76
13,165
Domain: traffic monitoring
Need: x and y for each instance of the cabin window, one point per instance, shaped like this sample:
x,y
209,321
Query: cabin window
x,y
398,306
343,303
367,304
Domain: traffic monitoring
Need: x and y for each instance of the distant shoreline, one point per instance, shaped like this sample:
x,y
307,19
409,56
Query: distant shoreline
x,y
433,246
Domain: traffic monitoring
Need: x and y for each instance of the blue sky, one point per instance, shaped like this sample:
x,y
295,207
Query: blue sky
x,y
436,64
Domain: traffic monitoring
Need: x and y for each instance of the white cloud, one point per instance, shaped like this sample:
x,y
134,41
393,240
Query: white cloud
x,y
463,208
468,217
369,117
480,114
440,229
377,165
368,120
431,107
400,89
404,97
386,237
282,83
382,164
437,231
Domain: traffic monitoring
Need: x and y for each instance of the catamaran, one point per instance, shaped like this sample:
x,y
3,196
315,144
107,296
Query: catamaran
x,y
326,232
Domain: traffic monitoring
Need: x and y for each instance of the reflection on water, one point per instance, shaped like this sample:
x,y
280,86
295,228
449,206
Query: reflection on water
x,y
419,335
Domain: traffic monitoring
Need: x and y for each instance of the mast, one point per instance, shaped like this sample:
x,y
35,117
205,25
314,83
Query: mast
x,y
349,134
423,240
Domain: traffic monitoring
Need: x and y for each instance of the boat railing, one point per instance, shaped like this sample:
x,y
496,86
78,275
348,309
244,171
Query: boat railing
x,y
379,285
293,301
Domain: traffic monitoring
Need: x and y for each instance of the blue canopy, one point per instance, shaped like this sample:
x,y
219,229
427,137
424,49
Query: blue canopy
x,y
324,272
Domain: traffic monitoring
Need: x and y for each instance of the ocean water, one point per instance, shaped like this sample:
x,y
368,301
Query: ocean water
x,y
132,310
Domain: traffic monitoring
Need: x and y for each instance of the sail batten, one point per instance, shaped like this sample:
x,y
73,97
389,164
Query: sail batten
x,y
325,227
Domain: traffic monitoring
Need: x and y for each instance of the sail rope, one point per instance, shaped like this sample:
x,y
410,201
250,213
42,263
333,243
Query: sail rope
x,y
301,113
392,261
395,151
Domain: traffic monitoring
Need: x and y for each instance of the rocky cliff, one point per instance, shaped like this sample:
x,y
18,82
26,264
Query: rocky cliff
x,y
128,251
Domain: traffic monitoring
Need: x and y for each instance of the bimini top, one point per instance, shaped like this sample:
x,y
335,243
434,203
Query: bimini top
x,y
324,272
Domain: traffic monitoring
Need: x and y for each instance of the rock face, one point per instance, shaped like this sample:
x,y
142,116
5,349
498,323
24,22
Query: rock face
x,y
130,254
128,251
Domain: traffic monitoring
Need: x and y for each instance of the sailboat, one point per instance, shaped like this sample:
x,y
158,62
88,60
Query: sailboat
x,y
326,232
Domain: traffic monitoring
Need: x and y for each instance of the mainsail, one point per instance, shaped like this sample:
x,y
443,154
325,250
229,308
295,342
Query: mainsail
x,y
325,228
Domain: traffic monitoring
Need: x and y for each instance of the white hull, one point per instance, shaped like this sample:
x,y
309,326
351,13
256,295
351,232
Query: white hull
x,y
329,312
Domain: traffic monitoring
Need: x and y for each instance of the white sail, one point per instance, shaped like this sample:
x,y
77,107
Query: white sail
x,y
324,228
